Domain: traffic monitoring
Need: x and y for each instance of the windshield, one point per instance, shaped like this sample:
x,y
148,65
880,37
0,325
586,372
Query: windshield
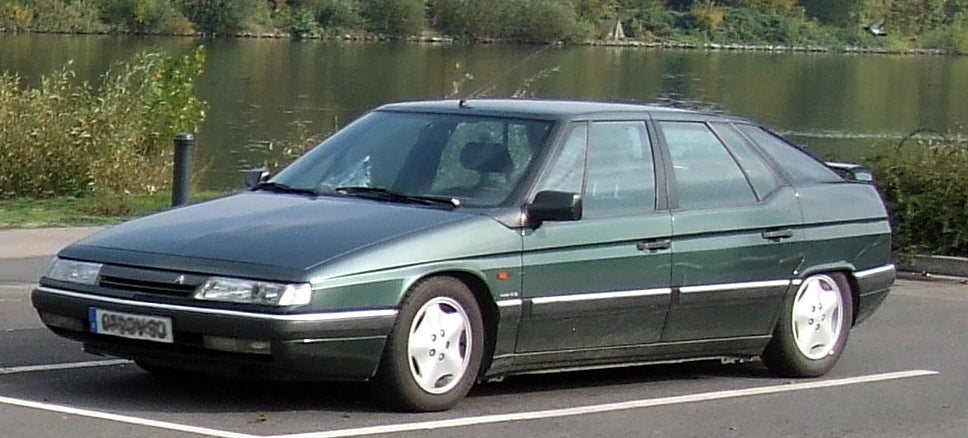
x,y
477,161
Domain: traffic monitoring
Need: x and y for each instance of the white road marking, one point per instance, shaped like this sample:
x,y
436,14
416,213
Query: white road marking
x,y
597,409
123,419
62,366
487,419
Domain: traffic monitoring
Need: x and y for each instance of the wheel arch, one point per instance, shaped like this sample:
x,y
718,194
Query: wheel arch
x,y
490,314
847,270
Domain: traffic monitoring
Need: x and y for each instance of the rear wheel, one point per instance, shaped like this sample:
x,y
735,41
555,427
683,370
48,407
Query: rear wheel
x,y
433,353
812,330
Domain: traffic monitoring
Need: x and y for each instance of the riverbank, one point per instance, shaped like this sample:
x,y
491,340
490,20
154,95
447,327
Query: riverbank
x,y
618,43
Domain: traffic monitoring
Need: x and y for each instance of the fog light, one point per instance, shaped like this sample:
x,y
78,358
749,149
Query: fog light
x,y
237,345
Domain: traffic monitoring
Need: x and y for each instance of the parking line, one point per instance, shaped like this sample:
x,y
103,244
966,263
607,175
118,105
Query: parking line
x,y
62,366
123,418
597,409
487,419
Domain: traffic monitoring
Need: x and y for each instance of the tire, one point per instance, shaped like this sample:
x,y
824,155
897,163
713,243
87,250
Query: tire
x,y
812,330
433,353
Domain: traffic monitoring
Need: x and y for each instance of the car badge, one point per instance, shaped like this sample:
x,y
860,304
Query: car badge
x,y
180,279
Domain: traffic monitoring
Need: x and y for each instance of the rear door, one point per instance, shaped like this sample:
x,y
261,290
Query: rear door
x,y
737,239
602,281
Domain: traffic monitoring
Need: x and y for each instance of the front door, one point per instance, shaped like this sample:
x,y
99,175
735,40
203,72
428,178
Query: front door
x,y
602,281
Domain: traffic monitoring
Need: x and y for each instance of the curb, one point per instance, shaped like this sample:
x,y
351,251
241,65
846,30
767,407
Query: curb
x,y
933,268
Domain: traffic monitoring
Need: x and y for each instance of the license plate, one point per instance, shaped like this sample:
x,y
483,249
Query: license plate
x,y
129,325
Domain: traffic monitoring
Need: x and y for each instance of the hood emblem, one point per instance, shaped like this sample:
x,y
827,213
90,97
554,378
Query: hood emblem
x,y
180,279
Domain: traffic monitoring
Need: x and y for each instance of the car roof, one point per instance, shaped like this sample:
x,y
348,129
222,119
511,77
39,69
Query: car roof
x,y
551,109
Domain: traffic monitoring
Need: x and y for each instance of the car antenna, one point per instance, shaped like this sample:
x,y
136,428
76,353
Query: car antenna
x,y
489,84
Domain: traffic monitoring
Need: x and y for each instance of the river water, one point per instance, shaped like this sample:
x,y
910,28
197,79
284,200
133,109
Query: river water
x,y
265,93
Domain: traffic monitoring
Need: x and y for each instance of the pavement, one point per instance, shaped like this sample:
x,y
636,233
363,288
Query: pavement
x,y
24,252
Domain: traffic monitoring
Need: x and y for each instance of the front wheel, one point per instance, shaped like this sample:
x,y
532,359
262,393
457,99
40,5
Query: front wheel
x,y
812,330
433,353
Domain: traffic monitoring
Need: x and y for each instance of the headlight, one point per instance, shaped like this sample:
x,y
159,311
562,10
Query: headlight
x,y
73,271
237,290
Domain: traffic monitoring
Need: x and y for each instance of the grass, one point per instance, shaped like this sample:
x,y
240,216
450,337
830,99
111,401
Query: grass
x,y
95,210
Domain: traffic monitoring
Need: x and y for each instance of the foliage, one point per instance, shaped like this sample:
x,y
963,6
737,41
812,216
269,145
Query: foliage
x,y
144,16
220,17
907,23
338,14
394,17
706,16
71,16
65,138
925,189
521,20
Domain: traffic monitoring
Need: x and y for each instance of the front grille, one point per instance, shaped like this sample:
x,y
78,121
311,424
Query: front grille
x,y
149,281
152,287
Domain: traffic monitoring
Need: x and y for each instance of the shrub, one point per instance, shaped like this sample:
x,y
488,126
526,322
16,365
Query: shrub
x,y
338,14
53,15
706,16
16,17
143,16
394,17
544,21
924,186
953,38
220,17
65,138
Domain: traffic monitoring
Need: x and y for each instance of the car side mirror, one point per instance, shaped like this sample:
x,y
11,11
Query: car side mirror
x,y
553,206
254,177
853,172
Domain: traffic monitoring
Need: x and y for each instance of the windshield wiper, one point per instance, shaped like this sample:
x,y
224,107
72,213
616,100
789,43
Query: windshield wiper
x,y
390,195
283,188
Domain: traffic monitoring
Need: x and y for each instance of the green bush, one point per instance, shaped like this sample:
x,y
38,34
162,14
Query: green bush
x,y
544,21
70,16
69,138
394,17
142,16
926,191
953,38
338,14
527,20
221,17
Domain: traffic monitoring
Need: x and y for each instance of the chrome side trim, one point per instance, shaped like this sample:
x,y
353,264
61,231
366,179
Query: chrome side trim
x,y
734,286
875,271
307,317
601,296
509,303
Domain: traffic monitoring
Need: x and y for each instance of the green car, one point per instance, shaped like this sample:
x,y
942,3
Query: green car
x,y
431,245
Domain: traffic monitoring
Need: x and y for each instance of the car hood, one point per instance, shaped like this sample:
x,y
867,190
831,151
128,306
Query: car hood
x,y
260,228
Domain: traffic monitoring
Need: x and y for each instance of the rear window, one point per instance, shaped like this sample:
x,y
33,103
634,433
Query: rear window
x,y
798,165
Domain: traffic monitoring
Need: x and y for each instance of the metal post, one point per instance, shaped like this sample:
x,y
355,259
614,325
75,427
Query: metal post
x,y
182,178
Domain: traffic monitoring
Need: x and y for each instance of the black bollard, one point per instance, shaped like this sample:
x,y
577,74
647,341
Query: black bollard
x,y
182,178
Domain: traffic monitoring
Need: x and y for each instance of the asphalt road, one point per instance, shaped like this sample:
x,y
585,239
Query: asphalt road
x,y
904,374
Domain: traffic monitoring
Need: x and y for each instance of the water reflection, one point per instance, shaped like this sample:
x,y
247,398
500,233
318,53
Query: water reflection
x,y
272,91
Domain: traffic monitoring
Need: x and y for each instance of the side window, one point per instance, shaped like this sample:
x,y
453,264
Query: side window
x,y
797,164
568,170
706,174
759,174
621,173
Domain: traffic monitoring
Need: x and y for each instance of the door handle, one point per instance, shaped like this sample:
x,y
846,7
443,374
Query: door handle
x,y
653,245
777,234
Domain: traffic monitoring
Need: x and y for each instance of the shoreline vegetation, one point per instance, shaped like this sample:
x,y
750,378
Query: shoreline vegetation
x,y
78,153
933,27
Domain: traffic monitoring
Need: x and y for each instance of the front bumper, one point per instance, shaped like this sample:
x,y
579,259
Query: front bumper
x,y
325,346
